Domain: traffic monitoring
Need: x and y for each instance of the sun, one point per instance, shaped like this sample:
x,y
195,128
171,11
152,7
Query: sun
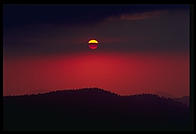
x,y
93,41
93,44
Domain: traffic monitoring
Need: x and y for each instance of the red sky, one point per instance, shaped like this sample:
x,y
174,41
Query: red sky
x,y
122,73
142,48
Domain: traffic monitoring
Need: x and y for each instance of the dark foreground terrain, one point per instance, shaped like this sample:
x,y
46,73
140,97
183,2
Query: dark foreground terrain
x,y
94,109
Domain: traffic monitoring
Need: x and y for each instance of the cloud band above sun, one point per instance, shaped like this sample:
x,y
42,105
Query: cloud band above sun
x,y
137,16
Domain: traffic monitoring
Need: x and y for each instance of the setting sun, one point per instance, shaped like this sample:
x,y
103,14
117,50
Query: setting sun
x,y
93,44
93,41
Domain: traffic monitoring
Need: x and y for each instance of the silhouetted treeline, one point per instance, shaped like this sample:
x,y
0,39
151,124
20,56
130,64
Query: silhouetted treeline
x,y
94,109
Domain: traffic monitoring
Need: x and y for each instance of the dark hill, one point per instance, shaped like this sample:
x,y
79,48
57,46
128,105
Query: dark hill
x,y
185,100
94,109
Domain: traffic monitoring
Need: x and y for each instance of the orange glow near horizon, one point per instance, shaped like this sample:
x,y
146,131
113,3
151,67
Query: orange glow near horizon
x,y
121,73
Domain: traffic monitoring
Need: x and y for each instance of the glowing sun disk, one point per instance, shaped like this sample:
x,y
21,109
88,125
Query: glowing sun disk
x,y
93,41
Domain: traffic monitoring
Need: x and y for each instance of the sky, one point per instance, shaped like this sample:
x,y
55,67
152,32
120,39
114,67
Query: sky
x,y
142,48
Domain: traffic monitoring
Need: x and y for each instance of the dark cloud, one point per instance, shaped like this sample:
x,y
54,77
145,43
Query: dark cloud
x,y
57,29
137,16
20,15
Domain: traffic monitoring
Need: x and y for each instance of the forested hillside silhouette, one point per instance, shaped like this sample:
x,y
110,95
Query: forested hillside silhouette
x,y
94,109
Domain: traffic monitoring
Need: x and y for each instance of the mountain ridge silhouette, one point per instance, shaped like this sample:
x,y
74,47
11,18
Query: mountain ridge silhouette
x,y
94,109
